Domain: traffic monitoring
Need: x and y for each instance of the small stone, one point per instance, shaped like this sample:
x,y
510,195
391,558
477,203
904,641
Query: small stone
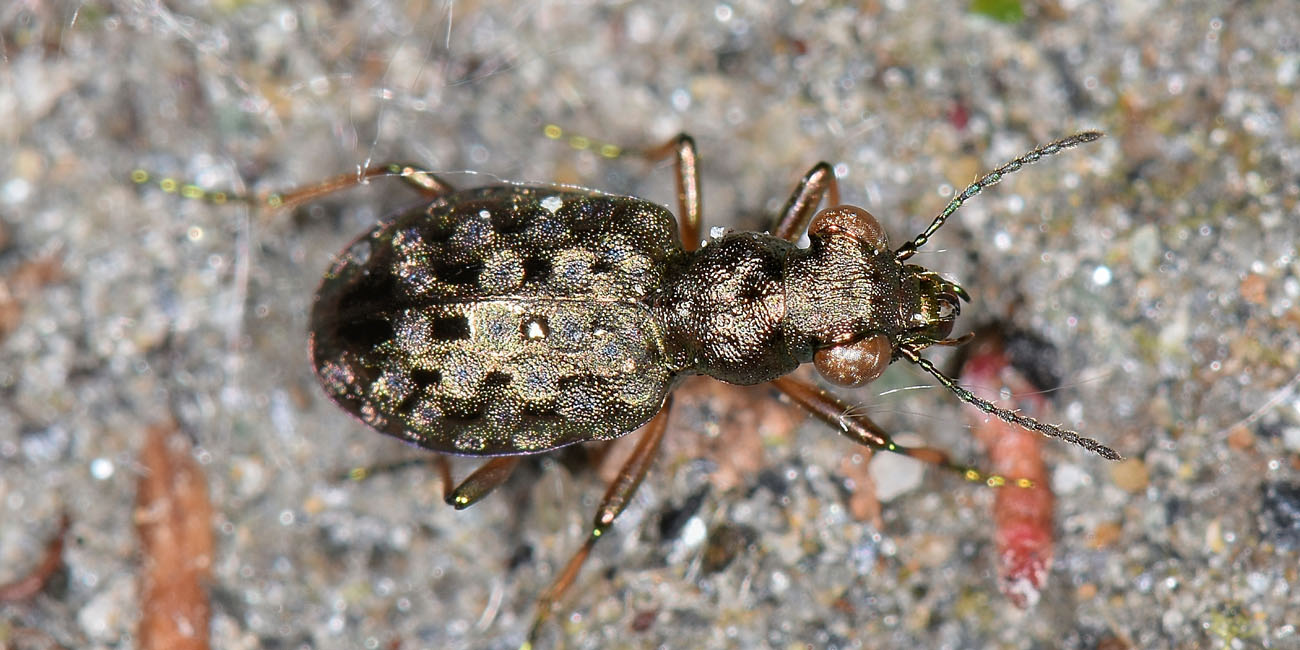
x,y
894,475
1241,438
1130,475
1105,534
1172,620
1279,514
1214,537
109,614
1068,478
1291,438
1254,288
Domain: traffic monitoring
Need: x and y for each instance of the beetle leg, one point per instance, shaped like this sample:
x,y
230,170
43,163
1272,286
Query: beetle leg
x,y
688,185
799,210
422,180
364,472
489,476
859,428
616,498
444,473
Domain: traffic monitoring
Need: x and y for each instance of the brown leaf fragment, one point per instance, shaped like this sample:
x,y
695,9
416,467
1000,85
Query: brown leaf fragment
x,y
174,518
32,583
21,285
863,504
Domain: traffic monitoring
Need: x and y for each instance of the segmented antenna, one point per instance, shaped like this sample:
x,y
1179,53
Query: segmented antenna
x,y
1049,430
909,249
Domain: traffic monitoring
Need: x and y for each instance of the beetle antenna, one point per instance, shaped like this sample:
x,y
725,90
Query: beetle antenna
x,y
909,249
1049,430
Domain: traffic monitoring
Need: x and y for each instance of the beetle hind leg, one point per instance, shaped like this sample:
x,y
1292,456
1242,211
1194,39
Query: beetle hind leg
x,y
617,496
488,477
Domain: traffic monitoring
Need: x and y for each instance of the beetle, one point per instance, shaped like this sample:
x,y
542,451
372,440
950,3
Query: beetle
x,y
510,320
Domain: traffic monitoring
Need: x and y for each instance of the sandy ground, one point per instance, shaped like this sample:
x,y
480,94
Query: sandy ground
x,y
1160,263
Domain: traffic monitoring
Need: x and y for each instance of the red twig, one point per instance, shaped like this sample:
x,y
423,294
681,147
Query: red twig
x,y
1022,515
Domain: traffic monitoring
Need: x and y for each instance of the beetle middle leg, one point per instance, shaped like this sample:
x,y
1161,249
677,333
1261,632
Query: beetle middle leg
x,y
480,483
682,147
422,180
616,498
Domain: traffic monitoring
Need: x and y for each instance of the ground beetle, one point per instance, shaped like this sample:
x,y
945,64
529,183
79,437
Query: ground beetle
x,y
517,319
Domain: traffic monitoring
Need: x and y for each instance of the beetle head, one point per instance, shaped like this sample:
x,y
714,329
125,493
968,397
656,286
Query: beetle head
x,y
928,304
937,305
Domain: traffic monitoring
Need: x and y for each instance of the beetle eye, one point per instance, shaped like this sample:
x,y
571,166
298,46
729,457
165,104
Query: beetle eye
x,y
857,363
947,310
943,327
853,221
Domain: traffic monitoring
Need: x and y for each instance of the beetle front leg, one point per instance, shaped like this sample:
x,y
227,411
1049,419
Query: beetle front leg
x,y
842,417
617,496
799,210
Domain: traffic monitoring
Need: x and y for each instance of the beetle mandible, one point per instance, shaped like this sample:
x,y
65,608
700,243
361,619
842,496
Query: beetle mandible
x,y
517,319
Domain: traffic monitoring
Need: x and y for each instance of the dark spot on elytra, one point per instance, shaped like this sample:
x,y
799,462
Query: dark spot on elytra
x,y
451,328
425,378
459,273
408,403
537,412
536,269
602,266
436,224
569,382
365,333
372,291
752,291
509,222
497,378
438,233
587,216
463,418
